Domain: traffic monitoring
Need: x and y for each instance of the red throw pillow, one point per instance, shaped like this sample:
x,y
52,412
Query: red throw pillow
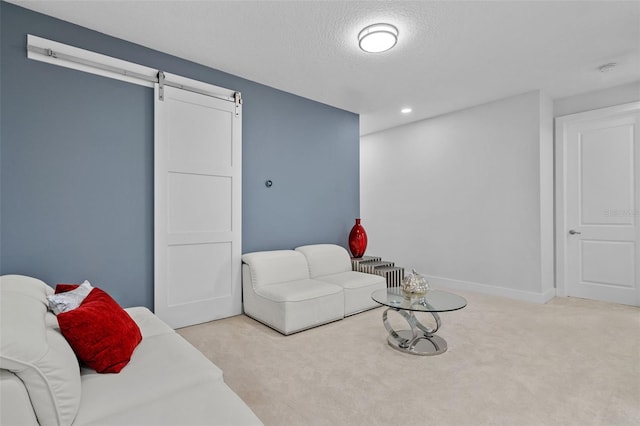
x,y
63,288
101,333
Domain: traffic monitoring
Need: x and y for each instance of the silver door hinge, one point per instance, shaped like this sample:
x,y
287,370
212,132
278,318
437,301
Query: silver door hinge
x,y
160,86
237,96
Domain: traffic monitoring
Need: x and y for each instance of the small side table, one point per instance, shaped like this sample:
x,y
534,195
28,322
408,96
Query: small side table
x,y
420,339
375,265
357,261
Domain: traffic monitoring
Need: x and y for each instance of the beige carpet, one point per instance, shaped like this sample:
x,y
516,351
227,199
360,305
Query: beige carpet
x,y
569,362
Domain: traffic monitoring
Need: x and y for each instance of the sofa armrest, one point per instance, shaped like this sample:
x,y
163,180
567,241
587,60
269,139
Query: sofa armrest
x,y
15,405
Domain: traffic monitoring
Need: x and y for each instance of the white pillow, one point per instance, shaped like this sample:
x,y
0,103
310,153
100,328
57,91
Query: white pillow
x,y
69,300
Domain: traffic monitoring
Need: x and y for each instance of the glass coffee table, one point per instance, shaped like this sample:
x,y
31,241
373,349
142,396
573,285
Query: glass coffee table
x,y
420,339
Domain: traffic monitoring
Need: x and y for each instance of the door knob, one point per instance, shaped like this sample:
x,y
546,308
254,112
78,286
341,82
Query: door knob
x,y
574,232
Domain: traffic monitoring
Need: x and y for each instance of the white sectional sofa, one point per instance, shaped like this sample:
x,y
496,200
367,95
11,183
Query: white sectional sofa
x,y
167,381
293,290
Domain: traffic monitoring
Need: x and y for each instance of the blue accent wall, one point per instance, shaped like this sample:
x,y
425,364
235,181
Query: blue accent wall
x,y
76,163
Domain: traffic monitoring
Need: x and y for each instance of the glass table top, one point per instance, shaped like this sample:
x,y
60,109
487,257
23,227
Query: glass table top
x,y
431,301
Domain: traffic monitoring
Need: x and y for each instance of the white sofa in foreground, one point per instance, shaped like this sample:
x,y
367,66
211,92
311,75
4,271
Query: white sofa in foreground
x,y
293,290
167,381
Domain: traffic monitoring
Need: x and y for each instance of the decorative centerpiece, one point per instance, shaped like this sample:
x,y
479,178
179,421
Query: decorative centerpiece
x,y
414,284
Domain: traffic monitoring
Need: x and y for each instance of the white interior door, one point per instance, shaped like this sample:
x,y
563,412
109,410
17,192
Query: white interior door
x,y
197,207
602,210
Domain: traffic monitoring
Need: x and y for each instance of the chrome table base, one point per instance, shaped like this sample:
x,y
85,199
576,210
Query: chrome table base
x,y
420,340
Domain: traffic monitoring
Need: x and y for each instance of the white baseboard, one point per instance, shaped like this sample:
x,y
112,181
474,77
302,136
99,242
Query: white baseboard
x,y
527,296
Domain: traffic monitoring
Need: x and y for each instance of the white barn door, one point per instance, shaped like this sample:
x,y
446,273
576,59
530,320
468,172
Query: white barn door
x,y
197,207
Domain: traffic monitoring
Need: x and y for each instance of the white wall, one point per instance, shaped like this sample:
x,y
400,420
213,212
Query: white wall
x,y
617,95
461,198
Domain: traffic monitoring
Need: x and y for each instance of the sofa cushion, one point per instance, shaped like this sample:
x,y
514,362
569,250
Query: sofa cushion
x,y
326,259
161,367
294,306
358,287
149,324
16,406
296,291
33,348
209,403
274,267
353,280
101,333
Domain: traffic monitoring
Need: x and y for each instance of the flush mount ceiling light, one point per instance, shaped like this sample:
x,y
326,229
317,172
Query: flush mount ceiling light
x,y
406,110
378,38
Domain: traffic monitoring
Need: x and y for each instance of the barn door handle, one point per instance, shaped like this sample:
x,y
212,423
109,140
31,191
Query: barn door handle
x,y
574,232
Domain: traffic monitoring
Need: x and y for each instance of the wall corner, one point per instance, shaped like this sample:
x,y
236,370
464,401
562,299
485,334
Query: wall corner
x,y
547,223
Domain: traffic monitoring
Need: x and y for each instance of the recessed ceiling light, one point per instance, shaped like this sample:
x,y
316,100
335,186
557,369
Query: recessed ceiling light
x,y
607,67
406,110
378,38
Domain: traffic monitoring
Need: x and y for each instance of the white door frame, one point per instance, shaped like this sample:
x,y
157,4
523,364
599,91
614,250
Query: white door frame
x,y
561,127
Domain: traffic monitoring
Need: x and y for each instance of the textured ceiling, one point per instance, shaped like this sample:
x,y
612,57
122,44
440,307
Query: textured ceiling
x,y
450,54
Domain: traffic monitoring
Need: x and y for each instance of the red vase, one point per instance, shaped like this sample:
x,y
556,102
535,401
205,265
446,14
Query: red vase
x,y
357,240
